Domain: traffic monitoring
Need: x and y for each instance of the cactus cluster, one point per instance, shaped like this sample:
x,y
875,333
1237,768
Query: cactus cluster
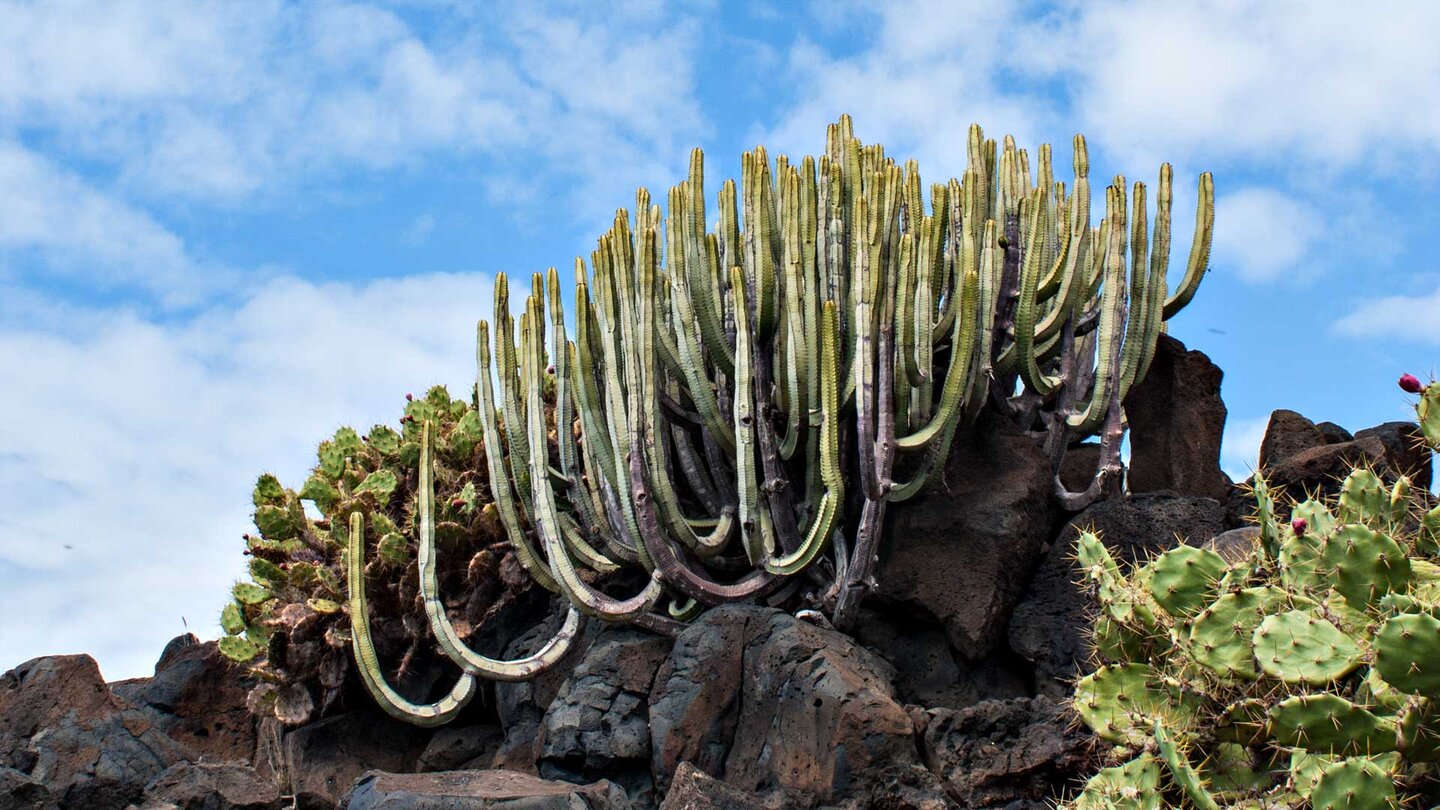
x,y
288,622
1305,672
735,407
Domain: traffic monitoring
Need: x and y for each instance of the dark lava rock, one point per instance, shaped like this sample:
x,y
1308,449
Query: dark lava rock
x,y
927,671
522,705
1236,544
693,789
1333,433
61,725
1000,753
1287,434
480,790
197,697
773,705
1405,450
1176,421
24,792
598,725
323,759
454,749
224,786
1049,625
964,550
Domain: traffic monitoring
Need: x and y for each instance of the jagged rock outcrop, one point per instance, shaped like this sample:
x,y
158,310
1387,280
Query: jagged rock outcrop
x,y
197,697
480,790
1177,419
204,786
1048,627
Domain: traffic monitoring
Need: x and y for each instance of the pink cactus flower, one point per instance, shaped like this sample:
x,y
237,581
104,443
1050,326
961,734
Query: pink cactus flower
x,y
1410,384
1299,525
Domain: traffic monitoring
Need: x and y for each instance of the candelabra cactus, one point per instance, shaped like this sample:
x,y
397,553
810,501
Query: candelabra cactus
x,y
735,409
1305,672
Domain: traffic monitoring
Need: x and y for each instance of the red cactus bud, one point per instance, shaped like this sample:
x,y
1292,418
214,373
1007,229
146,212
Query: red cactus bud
x,y
246,552
1410,384
458,502
550,370
1299,525
409,397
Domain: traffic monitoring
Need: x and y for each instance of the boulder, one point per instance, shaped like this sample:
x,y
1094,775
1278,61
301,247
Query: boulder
x,y
479,790
197,697
693,789
521,705
61,725
964,549
774,705
24,792
927,670
1406,452
598,725
1322,469
454,749
1333,433
1011,753
204,786
1288,433
1049,626
1176,422
322,760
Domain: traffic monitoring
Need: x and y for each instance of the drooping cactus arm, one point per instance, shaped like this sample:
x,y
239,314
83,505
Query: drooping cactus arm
x,y
500,490
454,647
547,519
363,647
824,523
1199,248
1111,323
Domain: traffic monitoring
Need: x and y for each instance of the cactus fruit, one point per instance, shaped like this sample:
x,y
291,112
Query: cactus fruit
x,y
1320,649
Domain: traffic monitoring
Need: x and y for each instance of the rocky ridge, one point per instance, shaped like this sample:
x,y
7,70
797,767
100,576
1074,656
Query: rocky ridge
x,y
950,693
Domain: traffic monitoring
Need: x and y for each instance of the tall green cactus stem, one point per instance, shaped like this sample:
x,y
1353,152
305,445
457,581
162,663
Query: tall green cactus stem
x,y
392,702
449,639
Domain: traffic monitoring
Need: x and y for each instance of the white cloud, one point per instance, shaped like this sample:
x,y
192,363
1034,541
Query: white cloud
x,y
1265,232
1240,447
130,447
1407,317
77,230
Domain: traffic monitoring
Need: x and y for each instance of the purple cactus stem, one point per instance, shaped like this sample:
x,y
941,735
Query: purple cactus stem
x,y
1410,384
1299,525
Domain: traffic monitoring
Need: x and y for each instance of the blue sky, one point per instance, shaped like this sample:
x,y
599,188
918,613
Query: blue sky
x,y
228,228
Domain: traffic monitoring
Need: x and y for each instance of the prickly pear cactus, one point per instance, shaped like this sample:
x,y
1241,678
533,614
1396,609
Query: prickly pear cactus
x,y
289,622
1305,674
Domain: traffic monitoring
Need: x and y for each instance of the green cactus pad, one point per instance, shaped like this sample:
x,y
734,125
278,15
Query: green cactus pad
x,y
332,460
1327,723
1120,703
1363,499
1418,738
268,491
1299,647
1428,541
1428,411
1407,653
1306,768
321,492
1366,564
248,593
1375,691
276,523
1121,600
1245,722
1134,785
1183,579
1117,643
394,548
380,483
232,619
1231,772
267,573
325,606
238,648
1300,568
384,440
1354,784
1221,634
1182,773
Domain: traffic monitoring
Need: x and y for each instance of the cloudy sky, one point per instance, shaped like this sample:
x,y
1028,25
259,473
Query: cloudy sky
x,y
228,228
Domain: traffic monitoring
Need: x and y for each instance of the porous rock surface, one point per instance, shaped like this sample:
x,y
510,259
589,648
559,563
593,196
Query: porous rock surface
x,y
949,691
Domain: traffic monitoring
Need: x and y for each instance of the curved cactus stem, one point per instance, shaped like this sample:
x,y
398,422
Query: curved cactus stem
x,y
472,662
1112,324
500,490
393,703
1199,248
547,518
